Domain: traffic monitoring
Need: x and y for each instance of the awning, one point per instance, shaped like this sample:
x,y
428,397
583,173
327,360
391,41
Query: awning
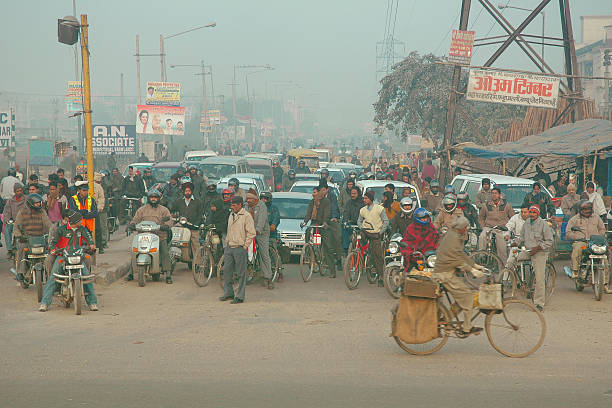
x,y
570,140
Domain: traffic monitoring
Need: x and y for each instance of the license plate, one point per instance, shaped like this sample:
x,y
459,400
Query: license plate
x,y
597,256
73,267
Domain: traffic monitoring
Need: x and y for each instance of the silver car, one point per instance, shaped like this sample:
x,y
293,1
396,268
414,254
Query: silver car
x,y
292,208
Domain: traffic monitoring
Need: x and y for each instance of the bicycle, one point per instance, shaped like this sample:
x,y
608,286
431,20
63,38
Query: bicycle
x,y
209,242
254,267
111,219
130,208
521,279
488,257
311,257
517,320
357,260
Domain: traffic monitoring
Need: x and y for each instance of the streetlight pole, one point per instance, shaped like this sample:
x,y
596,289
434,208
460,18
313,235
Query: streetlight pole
x,y
162,52
503,6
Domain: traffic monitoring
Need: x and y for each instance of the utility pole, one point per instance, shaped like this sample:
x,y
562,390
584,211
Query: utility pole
x,y
122,102
204,103
87,103
138,66
161,58
234,107
77,78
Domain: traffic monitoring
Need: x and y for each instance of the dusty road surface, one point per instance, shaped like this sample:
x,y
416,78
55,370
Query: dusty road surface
x,y
301,345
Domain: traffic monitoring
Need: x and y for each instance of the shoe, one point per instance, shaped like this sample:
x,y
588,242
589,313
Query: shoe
x,y
269,284
101,250
332,274
224,298
236,300
20,277
607,289
280,278
540,308
473,330
93,308
43,308
130,277
381,284
574,274
169,280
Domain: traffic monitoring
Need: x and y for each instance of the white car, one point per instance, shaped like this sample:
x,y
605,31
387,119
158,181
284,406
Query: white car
x,y
195,155
379,187
246,180
292,210
306,186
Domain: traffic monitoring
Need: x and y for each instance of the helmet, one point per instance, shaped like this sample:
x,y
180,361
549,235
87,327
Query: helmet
x,y
233,181
291,173
227,194
105,172
34,199
185,179
370,175
422,216
434,183
449,203
407,201
352,174
266,194
192,167
12,172
302,162
448,189
379,175
324,171
586,205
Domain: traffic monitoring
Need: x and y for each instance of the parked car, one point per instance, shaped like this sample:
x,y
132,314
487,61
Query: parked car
x,y
337,175
292,208
196,155
262,166
379,187
163,170
247,180
306,186
215,168
137,167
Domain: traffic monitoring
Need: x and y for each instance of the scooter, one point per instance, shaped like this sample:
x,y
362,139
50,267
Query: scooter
x,y
593,266
145,252
71,276
180,248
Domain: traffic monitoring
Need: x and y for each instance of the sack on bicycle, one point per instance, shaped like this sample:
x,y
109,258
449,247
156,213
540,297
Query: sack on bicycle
x,y
415,319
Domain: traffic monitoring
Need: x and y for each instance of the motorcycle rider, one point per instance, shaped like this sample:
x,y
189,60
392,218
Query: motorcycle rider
x,y
11,209
289,180
469,211
132,187
190,208
198,181
148,178
278,172
373,222
72,230
159,214
345,194
302,169
31,221
210,196
433,197
451,260
449,212
580,228
259,212
404,219
421,235
234,184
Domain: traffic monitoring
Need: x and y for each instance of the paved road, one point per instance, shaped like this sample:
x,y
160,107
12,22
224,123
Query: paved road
x,y
311,345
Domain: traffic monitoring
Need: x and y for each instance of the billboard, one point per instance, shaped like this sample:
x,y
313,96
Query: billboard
x,y
461,46
40,152
160,120
213,118
74,97
163,93
513,88
120,139
6,127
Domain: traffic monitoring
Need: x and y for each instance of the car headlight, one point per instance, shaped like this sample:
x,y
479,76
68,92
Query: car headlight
x,y
431,261
393,248
597,249
73,260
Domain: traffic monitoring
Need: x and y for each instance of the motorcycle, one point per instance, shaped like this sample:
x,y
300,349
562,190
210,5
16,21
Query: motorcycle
x,y
36,274
145,252
180,248
71,276
593,266
396,269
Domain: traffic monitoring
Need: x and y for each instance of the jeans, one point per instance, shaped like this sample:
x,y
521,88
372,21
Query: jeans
x,y
235,262
90,295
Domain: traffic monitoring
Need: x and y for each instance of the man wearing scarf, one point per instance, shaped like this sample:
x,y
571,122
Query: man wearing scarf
x,y
373,221
259,212
420,237
319,213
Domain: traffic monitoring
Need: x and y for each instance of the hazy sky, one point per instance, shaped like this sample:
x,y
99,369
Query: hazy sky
x,y
327,46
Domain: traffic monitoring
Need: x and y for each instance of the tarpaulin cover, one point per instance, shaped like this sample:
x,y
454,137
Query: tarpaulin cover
x,y
568,140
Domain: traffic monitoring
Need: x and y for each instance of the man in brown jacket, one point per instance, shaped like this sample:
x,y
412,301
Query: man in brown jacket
x,y
240,234
579,229
495,213
319,213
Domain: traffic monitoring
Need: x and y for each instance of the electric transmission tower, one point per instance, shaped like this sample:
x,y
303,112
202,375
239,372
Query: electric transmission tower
x,y
389,50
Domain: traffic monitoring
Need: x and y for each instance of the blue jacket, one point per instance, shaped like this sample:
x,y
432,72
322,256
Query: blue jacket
x,y
273,218
333,200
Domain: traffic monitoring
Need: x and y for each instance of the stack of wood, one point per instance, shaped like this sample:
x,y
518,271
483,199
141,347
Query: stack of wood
x,y
538,120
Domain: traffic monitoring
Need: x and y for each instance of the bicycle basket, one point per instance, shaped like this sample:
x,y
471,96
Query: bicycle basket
x,y
490,296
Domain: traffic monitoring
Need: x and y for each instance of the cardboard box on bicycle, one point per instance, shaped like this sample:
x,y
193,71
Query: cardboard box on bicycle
x,y
421,288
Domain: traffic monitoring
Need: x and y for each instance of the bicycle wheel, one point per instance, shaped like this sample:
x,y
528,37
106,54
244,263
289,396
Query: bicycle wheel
x,y
517,330
598,281
488,260
307,262
275,263
203,270
352,270
444,326
394,279
370,270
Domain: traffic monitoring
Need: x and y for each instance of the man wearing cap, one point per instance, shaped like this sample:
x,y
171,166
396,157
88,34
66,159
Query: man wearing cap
x,y
198,181
84,204
101,219
259,212
11,209
433,197
373,222
240,234
73,231
318,213
537,237
484,195
451,263
190,208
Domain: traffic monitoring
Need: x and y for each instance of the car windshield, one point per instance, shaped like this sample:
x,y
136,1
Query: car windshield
x,y
294,208
302,189
378,193
310,161
163,173
261,169
217,171
307,176
515,193
244,186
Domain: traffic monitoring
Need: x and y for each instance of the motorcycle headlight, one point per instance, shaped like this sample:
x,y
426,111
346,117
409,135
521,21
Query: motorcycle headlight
x,y
597,249
37,250
393,247
358,236
73,260
431,261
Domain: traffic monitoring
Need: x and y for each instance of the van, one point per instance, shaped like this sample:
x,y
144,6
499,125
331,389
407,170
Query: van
x,y
264,167
197,155
514,188
217,167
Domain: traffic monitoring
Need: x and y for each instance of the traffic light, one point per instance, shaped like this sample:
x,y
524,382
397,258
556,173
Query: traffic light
x,y
607,58
68,30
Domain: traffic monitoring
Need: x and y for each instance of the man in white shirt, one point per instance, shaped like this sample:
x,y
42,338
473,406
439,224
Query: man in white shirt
x,y
7,184
599,208
515,225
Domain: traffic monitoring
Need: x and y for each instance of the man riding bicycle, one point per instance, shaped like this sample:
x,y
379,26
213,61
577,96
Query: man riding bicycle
x,y
495,213
319,213
580,228
373,222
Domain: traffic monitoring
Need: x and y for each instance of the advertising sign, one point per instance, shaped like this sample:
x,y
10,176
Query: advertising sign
x,y
160,120
163,93
74,97
214,116
462,44
6,128
40,152
513,88
120,139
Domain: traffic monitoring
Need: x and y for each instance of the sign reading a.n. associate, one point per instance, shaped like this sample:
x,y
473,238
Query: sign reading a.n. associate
x,y
120,139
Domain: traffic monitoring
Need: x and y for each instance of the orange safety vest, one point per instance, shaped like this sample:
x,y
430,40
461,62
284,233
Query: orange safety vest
x,y
88,223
